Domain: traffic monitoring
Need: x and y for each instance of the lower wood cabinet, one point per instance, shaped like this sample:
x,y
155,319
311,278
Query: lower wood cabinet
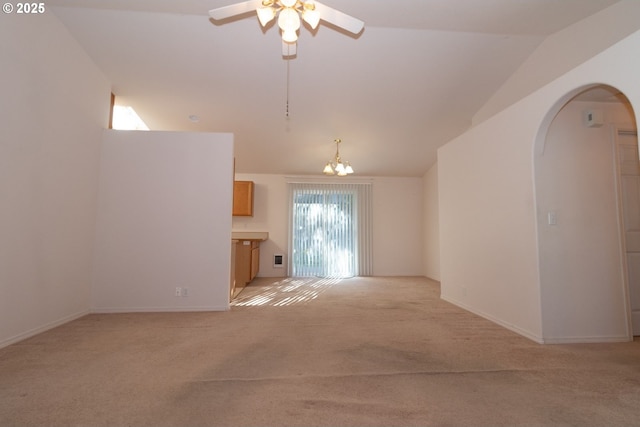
x,y
255,260
247,263
232,278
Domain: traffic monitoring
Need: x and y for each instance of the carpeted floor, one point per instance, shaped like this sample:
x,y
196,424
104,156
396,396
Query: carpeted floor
x,y
355,352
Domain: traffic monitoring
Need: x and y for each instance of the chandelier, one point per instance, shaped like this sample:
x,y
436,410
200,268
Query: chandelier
x,y
335,166
289,13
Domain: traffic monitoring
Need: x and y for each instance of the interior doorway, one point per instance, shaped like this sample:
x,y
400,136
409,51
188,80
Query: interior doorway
x,y
584,288
629,178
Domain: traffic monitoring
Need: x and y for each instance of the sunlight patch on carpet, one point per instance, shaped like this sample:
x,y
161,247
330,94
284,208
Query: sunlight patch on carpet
x,y
289,291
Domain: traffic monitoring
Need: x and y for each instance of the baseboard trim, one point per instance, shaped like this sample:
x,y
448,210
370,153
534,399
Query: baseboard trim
x,y
541,340
587,340
40,329
108,310
509,326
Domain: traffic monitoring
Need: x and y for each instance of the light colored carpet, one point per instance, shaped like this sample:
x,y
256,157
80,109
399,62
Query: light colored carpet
x,y
355,352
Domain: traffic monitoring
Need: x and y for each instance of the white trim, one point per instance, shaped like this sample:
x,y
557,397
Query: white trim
x,y
587,340
615,131
512,328
327,180
35,331
108,310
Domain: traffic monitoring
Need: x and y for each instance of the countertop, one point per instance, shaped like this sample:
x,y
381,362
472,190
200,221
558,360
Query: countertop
x,y
250,235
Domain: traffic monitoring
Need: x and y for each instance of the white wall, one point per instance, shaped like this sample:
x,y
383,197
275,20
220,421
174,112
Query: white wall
x,y
164,221
54,105
489,248
397,227
580,260
431,225
564,50
397,223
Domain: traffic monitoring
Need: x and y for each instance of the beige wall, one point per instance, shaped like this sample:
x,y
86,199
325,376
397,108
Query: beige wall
x,y
564,50
488,219
431,225
164,221
580,260
397,227
54,105
397,223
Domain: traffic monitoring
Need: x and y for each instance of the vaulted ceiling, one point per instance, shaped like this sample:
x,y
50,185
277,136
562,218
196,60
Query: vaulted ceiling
x,y
410,82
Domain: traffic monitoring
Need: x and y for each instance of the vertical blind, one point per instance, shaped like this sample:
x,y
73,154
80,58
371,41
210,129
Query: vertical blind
x,y
330,229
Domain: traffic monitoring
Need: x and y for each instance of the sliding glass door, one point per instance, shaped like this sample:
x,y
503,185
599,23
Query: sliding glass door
x,y
329,230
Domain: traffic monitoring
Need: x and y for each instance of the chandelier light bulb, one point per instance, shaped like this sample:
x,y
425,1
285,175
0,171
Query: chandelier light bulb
x,y
288,3
328,170
348,168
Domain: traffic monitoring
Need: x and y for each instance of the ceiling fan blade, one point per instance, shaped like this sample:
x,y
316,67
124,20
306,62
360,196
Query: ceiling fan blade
x,y
337,18
289,49
234,9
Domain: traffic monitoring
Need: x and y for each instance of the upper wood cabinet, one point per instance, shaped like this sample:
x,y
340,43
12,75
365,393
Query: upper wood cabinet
x,y
242,198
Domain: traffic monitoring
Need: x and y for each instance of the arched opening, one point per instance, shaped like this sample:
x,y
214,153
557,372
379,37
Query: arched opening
x,y
581,243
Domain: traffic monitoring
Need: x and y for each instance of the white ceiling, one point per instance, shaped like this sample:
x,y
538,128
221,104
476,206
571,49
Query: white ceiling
x,y
410,82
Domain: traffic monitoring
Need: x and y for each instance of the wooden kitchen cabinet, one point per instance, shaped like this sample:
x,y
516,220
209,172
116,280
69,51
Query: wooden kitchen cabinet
x,y
232,278
255,260
247,263
242,198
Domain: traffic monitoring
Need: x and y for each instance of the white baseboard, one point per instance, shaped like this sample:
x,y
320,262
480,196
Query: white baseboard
x,y
108,310
513,328
40,329
536,338
587,340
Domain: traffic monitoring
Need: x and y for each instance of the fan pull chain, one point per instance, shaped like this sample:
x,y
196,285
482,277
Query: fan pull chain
x,y
287,106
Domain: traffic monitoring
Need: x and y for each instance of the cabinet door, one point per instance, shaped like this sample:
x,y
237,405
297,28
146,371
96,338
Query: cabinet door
x,y
255,261
232,278
243,263
243,198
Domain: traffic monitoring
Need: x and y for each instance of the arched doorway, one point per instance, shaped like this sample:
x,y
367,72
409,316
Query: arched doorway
x,y
582,264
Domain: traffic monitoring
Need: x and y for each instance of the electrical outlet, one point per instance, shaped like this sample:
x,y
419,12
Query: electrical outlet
x,y
178,292
185,292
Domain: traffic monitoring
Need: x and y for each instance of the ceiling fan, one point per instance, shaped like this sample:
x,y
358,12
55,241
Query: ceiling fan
x,y
289,13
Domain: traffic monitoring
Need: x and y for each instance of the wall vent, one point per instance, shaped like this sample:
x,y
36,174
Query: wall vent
x,y
278,261
593,118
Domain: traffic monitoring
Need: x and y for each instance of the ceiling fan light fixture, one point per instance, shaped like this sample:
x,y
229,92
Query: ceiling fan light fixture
x,y
288,19
289,14
289,36
310,14
266,14
311,17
